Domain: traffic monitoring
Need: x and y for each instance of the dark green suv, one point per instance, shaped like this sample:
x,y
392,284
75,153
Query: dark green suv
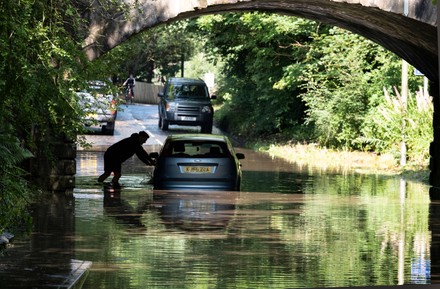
x,y
186,101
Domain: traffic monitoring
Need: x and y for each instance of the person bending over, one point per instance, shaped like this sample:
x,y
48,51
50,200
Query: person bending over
x,y
119,152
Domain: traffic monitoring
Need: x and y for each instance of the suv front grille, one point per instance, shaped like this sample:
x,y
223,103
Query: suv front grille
x,y
184,110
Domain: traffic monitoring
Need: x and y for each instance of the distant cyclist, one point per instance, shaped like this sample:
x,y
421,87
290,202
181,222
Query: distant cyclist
x,y
129,91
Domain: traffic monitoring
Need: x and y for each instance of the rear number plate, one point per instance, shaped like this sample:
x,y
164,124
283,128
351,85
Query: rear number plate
x,y
197,170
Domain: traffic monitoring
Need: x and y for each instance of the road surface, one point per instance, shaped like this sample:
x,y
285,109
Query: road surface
x,y
134,118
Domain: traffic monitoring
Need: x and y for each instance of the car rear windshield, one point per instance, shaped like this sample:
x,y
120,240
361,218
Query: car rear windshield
x,y
193,91
199,149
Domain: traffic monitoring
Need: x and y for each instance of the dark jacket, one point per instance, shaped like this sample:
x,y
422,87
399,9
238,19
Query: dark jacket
x,y
126,148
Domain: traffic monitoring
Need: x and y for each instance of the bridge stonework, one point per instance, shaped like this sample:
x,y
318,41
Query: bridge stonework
x,y
406,27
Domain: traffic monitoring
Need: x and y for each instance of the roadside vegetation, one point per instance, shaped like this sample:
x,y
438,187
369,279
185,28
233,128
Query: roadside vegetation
x,y
316,94
282,83
41,67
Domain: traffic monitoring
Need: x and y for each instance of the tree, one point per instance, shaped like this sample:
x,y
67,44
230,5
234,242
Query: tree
x,y
255,47
301,80
159,49
41,66
343,76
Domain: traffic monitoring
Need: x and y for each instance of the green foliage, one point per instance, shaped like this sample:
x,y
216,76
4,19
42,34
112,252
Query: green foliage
x,y
339,90
41,66
158,51
344,96
37,55
393,121
254,48
14,190
297,79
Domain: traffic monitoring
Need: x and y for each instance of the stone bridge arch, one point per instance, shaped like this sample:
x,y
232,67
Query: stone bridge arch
x,y
406,27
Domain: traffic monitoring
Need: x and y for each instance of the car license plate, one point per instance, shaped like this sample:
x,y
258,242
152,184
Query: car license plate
x,y
188,118
197,170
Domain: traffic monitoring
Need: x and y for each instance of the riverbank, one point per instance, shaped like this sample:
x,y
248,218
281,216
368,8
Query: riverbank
x,y
315,157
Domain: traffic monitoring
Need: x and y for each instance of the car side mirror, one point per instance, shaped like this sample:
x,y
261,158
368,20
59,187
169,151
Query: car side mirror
x,y
213,96
154,155
160,94
239,156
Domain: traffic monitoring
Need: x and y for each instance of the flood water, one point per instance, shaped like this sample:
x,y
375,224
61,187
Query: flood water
x,y
289,227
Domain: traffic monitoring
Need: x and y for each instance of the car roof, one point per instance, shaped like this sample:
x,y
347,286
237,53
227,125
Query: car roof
x,y
198,136
182,80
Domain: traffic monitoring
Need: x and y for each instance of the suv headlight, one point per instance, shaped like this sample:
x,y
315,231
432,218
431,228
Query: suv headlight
x,y
206,109
171,107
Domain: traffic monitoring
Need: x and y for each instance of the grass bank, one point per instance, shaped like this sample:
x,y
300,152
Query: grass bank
x,y
313,156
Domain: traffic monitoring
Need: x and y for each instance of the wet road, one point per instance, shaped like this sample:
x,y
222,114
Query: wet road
x,y
134,118
131,119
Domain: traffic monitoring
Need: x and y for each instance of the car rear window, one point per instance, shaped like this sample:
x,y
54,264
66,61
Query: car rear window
x,y
196,149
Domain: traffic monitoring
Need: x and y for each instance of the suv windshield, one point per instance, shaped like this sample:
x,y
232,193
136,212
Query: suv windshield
x,y
194,91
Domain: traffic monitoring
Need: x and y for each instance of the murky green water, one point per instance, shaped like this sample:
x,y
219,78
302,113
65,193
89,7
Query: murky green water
x,y
286,229
290,227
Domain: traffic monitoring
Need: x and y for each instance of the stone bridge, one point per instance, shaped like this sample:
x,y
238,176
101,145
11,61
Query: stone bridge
x,y
406,27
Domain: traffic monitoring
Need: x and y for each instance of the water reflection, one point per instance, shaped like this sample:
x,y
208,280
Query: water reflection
x,y
196,211
434,248
189,211
321,237
47,258
124,212
287,228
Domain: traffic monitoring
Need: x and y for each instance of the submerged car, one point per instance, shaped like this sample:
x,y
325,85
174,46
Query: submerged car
x,y
99,106
197,161
186,101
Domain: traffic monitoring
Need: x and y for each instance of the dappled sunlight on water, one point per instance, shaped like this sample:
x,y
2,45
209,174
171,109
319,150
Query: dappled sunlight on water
x,y
287,228
327,235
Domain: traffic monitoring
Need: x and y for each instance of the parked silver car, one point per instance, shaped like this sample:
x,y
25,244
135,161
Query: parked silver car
x,y
99,106
197,161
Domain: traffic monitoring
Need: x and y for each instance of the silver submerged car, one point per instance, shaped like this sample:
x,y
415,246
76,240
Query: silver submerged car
x,y
197,161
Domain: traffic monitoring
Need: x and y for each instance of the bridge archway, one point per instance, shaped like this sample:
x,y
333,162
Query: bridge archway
x,y
406,27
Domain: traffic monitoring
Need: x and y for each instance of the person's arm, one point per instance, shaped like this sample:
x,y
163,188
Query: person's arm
x,y
144,156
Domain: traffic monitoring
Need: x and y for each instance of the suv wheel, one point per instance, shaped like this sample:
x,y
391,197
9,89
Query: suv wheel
x,y
108,129
206,128
164,124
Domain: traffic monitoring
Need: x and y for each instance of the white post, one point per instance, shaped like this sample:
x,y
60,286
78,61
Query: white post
x,y
404,96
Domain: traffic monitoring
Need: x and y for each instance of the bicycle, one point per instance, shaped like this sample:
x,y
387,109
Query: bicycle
x,y
129,95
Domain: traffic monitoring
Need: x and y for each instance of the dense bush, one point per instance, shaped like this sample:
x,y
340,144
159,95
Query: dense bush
x,y
301,80
40,64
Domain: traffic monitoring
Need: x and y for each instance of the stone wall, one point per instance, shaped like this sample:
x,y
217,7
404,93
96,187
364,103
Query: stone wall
x,y
55,172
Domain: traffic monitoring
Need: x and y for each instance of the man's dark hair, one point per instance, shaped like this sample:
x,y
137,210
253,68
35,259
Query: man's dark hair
x,y
144,134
